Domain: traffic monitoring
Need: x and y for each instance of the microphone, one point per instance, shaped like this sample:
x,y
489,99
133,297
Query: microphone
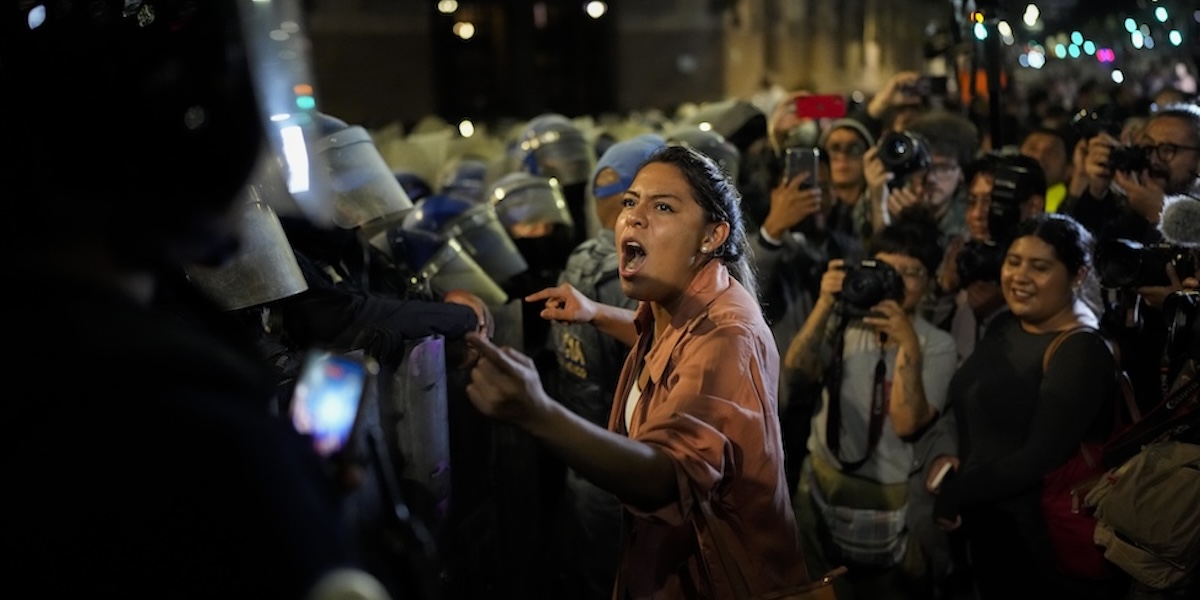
x,y
1180,223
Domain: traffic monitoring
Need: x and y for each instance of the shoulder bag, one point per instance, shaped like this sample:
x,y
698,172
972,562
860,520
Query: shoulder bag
x,y
1069,523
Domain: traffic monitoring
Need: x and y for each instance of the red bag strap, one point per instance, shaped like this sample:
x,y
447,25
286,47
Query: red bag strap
x,y
1123,381
1122,378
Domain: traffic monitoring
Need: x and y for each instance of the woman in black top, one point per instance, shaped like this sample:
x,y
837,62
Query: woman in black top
x,y
1016,424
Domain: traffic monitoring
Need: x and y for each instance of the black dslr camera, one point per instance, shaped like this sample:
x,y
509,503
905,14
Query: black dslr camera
x,y
1014,185
868,283
902,154
1089,124
1129,159
1124,263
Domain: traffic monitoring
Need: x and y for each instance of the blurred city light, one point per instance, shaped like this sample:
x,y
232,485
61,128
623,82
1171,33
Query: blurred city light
x,y
595,9
464,30
1031,16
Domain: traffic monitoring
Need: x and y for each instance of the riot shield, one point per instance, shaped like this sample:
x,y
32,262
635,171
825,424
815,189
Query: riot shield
x,y
389,518
263,269
417,421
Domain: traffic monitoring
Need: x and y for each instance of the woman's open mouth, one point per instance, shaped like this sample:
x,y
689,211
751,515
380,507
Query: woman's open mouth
x,y
633,256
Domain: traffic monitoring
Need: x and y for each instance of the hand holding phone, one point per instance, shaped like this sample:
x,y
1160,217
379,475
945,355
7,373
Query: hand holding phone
x,y
820,106
798,160
327,401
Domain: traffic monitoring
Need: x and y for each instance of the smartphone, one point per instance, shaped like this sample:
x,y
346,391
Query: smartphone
x,y
327,401
940,476
801,159
820,106
931,85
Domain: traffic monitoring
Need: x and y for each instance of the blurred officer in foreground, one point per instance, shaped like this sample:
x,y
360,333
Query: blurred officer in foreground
x,y
148,463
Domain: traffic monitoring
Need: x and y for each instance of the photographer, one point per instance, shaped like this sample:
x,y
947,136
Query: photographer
x,y
923,165
885,371
899,101
1004,191
1127,189
1126,185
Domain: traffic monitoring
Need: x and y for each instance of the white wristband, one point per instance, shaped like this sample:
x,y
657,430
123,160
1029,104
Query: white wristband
x,y
762,232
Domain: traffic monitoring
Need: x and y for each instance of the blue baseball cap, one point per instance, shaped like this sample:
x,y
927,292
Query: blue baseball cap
x,y
625,157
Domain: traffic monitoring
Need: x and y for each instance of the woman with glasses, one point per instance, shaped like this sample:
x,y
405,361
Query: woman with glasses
x,y
884,371
845,142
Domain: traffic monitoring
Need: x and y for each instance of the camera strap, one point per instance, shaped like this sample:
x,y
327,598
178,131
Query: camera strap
x,y
879,404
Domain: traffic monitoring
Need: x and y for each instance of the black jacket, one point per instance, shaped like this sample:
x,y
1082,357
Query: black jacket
x,y
142,461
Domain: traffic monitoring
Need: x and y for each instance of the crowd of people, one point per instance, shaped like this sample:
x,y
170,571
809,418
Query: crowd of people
x,y
644,358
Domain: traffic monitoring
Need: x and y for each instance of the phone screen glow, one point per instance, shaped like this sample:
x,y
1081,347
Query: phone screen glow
x,y
326,399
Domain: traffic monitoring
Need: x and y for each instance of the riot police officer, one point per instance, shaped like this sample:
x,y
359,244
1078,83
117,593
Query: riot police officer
x,y
147,463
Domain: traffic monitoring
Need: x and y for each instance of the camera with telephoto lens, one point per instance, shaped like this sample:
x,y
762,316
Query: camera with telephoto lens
x,y
1013,186
902,154
868,283
1125,263
1181,310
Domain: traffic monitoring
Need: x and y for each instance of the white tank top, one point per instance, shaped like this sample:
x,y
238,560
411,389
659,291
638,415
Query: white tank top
x,y
635,393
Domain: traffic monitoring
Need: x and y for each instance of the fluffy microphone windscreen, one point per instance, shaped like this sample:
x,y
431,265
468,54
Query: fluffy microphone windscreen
x,y
1181,221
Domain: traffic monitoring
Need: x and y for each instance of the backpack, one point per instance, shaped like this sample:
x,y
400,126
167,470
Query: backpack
x,y
1146,508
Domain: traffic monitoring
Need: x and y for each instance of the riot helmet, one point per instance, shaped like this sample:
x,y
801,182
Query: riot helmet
x,y
740,122
464,177
190,90
452,268
529,205
414,185
535,212
553,146
264,268
442,264
365,193
711,144
477,229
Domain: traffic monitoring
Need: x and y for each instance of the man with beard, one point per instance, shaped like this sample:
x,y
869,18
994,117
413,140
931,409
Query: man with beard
x,y
1124,200
1128,204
